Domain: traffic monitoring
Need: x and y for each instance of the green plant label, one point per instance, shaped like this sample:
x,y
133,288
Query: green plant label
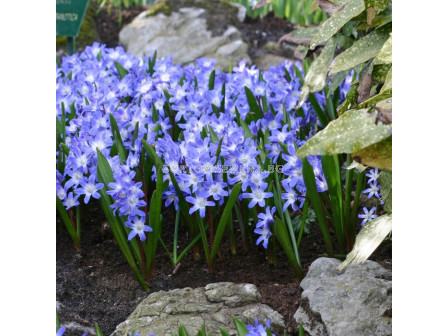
x,y
69,16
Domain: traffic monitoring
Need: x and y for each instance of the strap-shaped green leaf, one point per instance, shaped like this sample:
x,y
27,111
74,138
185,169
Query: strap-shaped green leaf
x,y
281,233
311,191
362,50
337,21
254,107
351,132
68,224
155,222
368,239
223,222
224,332
121,71
240,327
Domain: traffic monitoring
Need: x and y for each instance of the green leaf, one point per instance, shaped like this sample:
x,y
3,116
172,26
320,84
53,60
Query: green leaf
x,y
98,330
311,191
117,137
121,71
68,224
376,99
378,155
337,21
385,54
379,5
330,167
317,74
281,233
240,327
362,50
302,35
368,239
224,332
211,81
103,168
336,80
351,99
152,154
247,131
385,181
388,81
380,72
351,132
254,107
223,222
183,331
155,211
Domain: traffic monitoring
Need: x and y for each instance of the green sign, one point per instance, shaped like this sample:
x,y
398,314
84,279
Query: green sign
x,y
69,15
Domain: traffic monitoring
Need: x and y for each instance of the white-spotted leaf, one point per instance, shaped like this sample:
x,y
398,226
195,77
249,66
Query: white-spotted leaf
x,y
317,74
362,50
331,26
351,132
385,55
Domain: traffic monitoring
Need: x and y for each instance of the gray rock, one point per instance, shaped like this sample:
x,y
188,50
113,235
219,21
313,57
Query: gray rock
x,y
269,60
162,313
351,302
185,34
242,10
74,328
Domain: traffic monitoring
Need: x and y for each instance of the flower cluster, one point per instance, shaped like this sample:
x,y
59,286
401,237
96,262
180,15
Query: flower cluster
x,y
195,118
372,190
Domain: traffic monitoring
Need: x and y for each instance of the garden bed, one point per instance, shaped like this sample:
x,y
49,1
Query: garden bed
x,y
97,285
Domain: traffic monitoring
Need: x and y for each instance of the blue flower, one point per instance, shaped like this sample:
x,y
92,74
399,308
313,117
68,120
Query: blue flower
x,y
368,215
373,175
373,189
264,232
89,188
60,331
199,202
138,227
258,329
257,196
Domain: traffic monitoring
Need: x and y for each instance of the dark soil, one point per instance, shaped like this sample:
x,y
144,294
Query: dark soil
x,y
97,285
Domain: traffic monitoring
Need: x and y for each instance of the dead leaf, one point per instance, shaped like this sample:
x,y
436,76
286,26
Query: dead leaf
x,y
370,15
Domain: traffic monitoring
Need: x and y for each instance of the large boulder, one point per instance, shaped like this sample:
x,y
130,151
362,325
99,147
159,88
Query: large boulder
x,y
214,305
352,302
187,30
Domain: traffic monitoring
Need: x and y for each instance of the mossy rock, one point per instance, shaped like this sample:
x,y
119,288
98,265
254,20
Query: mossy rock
x,y
87,33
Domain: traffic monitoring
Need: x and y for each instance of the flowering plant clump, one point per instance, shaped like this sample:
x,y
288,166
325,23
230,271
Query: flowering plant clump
x,y
136,134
